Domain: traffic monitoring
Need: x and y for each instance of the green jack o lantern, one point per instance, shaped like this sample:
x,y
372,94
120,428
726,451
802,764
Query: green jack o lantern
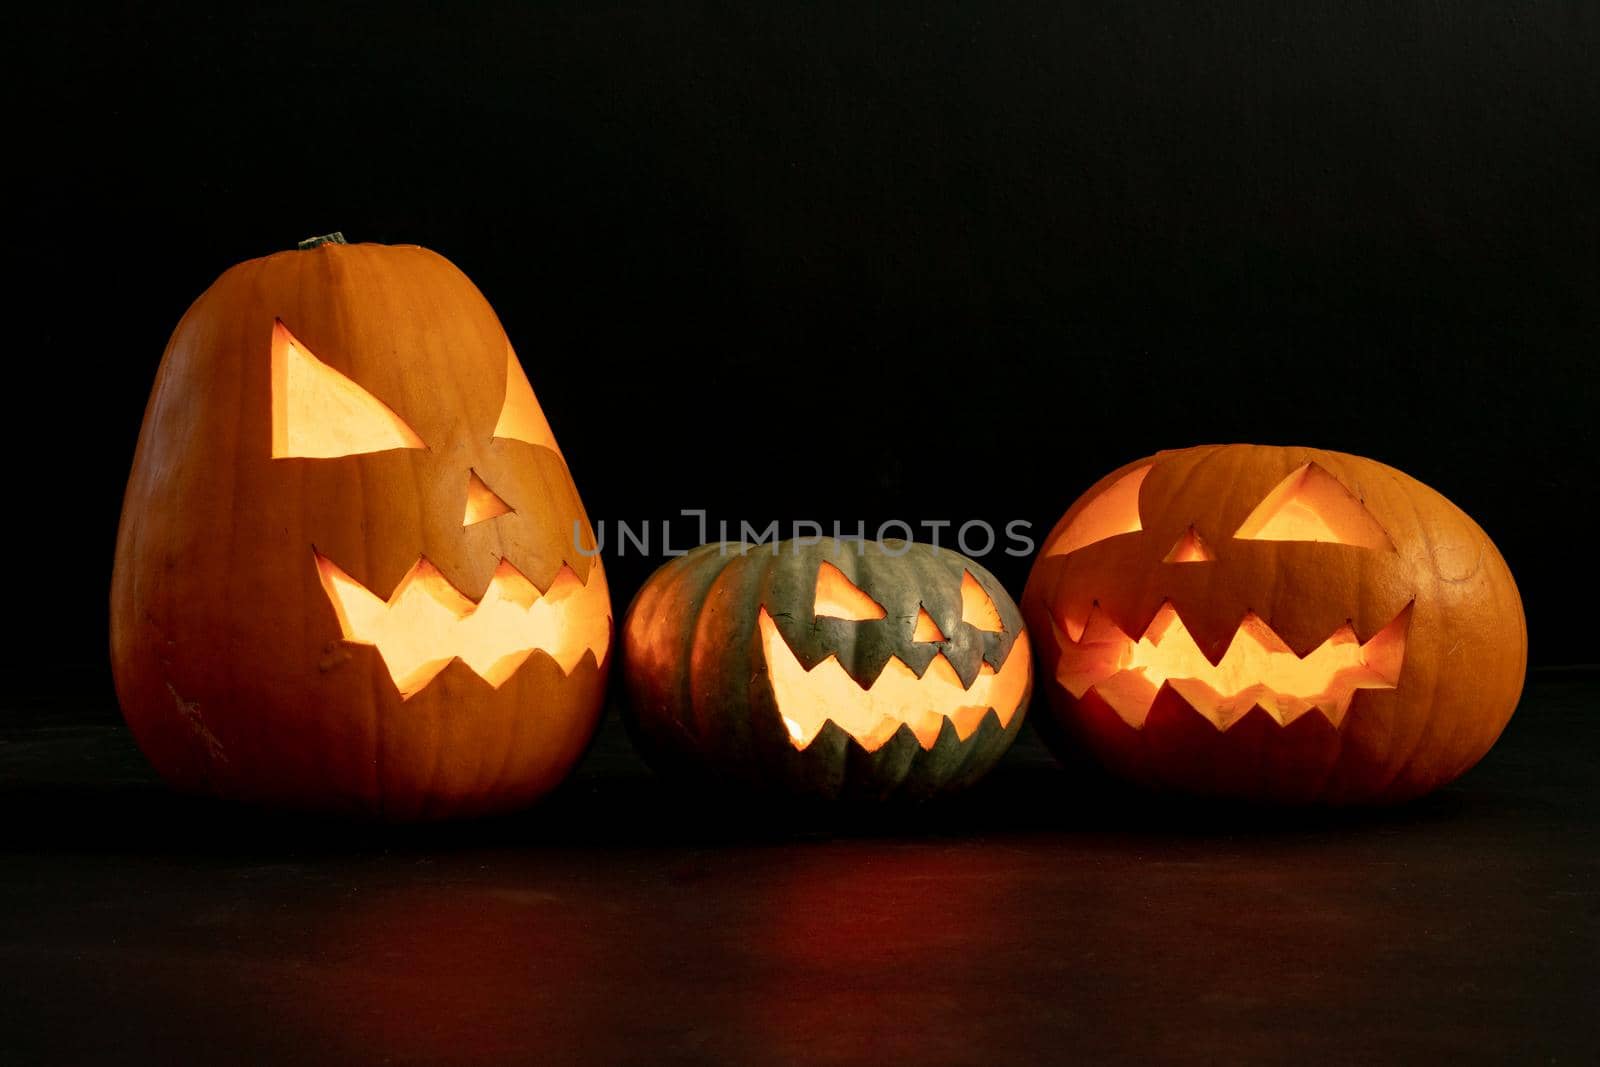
x,y
834,669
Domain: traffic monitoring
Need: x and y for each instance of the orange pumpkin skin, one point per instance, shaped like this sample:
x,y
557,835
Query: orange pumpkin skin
x,y
229,658
1465,638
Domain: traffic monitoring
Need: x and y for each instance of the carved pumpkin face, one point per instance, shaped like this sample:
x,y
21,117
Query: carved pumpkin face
x,y
1276,623
837,669
345,574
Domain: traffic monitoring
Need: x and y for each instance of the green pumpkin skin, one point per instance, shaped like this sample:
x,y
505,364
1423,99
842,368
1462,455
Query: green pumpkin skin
x,y
700,707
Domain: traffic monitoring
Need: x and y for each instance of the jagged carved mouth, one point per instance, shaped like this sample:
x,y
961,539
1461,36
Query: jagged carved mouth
x,y
1257,669
872,714
427,622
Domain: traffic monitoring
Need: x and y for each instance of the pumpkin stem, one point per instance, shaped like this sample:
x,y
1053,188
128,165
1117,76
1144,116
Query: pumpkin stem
x,y
334,238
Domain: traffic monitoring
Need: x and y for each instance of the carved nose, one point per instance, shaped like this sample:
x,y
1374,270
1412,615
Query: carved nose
x,y
1189,549
483,503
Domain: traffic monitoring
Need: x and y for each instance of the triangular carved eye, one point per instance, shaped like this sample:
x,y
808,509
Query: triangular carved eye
x,y
1313,505
1189,549
927,631
318,413
838,598
521,417
977,609
1115,511
483,503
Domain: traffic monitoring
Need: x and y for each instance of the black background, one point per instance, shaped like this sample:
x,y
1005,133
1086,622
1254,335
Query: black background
x,y
950,262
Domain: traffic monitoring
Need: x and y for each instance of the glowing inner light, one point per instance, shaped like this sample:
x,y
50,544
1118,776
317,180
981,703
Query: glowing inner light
x,y
427,622
318,413
838,598
521,417
1257,669
809,699
483,503
1313,505
976,607
1113,512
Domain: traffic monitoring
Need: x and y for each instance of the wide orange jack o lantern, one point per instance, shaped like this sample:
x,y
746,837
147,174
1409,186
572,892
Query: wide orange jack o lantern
x,y
346,574
1271,623
832,668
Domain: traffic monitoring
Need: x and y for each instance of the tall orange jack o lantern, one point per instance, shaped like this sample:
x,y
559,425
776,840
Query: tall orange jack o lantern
x,y
1275,623
346,574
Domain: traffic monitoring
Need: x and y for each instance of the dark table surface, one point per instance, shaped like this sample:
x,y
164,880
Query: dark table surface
x,y
1042,917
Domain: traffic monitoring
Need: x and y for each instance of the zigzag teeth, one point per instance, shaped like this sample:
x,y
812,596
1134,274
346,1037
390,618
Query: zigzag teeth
x,y
427,622
1257,669
874,744
808,700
